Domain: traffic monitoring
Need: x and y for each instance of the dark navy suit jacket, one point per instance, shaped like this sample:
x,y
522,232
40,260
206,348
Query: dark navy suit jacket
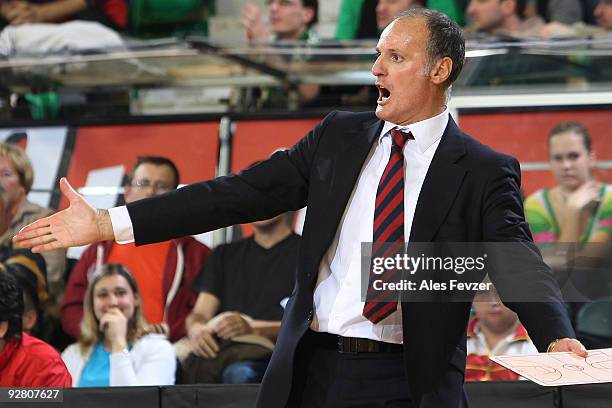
x,y
470,194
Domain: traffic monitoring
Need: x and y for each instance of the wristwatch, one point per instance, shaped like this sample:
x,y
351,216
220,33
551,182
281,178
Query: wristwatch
x,y
552,345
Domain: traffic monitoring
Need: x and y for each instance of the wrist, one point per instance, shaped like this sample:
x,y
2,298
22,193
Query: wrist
x,y
105,226
119,347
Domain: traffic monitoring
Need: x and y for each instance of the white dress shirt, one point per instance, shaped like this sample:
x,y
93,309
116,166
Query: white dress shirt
x,y
337,295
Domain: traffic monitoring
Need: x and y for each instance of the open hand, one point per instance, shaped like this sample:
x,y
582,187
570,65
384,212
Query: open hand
x,y
253,23
79,224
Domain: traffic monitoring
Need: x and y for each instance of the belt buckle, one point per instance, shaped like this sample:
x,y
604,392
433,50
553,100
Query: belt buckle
x,y
345,346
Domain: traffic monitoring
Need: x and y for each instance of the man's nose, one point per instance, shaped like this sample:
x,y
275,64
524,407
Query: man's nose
x,y
377,68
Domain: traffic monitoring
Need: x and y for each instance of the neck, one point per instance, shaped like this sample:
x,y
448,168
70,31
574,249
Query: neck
x,y
565,191
436,107
14,208
512,24
292,35
2,345
495,336
271,235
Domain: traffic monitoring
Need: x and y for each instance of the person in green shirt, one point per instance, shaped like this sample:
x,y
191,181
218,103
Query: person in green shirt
x,y
356,16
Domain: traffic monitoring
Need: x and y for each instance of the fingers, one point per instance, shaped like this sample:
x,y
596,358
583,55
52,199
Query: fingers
x,y
34,229
205,346
47,247
36,235
232,326
577,348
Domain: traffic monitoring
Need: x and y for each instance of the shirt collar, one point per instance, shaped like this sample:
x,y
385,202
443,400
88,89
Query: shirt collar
x,y
426,132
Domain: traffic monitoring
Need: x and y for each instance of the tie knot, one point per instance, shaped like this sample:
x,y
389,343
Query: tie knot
x,y
400,138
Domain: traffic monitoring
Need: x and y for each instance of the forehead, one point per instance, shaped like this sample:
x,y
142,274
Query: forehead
x,y
411,32
567,141
112,281
153,170
6,162
287,2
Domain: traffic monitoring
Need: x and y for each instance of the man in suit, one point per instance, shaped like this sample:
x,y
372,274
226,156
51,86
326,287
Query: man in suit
x,y
455,189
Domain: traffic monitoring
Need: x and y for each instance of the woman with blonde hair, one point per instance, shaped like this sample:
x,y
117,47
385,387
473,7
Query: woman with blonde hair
x,y
117,347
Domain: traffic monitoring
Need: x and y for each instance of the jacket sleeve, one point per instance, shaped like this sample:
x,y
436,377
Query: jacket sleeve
x,y
71,312
525,283
274,186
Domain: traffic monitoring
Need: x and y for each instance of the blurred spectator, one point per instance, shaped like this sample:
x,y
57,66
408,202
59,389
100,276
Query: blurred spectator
x,y
603,14
578,209
117,347
28,268
25,361
112,13
562,11
603,29
17,176
289,20
361,19
494,330
387,10
237,317
43,38
504,18
164,271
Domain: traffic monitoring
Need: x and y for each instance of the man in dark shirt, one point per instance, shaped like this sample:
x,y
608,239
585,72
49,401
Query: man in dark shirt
x,y
236,319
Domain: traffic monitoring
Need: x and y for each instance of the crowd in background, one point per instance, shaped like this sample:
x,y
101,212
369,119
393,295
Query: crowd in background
x,y
177,312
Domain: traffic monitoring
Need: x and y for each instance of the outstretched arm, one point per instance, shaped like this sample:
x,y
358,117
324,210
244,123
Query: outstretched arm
x,y
79,224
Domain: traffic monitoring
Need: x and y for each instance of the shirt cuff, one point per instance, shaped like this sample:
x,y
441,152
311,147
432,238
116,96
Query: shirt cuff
x,y
122,225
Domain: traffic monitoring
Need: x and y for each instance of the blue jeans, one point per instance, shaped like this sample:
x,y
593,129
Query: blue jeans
x,y
245,372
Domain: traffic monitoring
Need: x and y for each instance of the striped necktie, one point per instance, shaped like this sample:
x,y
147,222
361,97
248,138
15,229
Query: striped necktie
x,y
388,227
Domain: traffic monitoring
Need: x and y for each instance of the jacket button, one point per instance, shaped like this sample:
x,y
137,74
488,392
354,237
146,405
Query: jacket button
x,y
310,314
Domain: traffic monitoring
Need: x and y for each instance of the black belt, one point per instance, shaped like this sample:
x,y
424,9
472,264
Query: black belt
x,y
343,344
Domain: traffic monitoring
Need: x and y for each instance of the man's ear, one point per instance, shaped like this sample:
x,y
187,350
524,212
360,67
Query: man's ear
x,y
509,7
441,71
3,328
308,15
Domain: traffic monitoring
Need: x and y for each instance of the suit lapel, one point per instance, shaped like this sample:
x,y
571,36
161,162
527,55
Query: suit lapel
x,y
347,166
440,187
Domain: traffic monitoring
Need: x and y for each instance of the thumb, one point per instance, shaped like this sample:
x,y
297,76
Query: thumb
x,y
69,191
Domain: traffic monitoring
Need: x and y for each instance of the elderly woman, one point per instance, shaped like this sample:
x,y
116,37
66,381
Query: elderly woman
x,y
17,176
117,347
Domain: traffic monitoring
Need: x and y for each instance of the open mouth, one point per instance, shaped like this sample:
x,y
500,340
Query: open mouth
x,y
383,94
